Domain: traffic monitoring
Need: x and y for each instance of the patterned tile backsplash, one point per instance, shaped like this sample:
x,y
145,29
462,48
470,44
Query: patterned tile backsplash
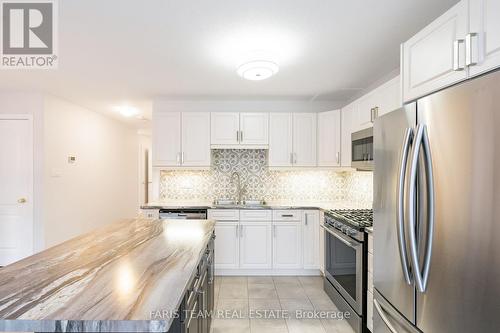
x,y
259,182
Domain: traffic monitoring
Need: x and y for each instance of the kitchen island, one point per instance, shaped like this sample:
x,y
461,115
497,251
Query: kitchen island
x,y
133,275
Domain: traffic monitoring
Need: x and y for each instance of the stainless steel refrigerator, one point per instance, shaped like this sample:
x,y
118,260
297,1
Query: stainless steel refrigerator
x,y
437,212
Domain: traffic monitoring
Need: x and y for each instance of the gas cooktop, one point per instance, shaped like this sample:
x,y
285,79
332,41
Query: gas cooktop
x,y
356,218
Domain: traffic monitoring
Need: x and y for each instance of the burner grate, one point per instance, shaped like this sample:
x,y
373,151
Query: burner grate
x,y
360,218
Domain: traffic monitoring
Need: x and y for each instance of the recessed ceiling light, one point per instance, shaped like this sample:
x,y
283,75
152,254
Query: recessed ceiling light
x,y
257,70
127,111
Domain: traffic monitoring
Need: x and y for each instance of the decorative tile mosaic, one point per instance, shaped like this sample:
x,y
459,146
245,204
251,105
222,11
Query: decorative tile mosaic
x,y
259,182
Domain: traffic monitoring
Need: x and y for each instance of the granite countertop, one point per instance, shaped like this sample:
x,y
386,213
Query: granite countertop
x,y
112,279
269,205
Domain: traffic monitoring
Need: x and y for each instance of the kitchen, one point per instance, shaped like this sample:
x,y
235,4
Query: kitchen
x,y
230,191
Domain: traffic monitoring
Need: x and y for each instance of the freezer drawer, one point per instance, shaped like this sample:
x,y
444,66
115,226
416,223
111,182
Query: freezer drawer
x,y
386,319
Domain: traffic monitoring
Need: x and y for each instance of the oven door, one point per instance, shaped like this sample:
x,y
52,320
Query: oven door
x,y
344,266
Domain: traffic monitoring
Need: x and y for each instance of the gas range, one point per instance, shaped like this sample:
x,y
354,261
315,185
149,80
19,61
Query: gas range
x,y
351,222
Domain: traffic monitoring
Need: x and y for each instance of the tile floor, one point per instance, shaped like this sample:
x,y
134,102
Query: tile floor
x,y
240,300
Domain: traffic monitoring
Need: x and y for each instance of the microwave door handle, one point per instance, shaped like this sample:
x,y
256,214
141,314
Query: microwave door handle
x,y
431,207
401,204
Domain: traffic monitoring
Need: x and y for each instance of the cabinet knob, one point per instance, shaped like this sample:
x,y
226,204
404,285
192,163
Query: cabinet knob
x,y
22,200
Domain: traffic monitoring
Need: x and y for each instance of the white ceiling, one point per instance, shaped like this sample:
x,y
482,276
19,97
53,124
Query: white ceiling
x,y
122,51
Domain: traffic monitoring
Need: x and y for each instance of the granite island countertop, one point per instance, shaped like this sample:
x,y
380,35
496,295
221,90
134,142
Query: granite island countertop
x,y
111,279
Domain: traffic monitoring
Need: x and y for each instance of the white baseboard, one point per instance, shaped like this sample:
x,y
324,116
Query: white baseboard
x,y
275,272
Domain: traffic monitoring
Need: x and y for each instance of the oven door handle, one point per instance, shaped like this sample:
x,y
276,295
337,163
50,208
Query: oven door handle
x,y
341,237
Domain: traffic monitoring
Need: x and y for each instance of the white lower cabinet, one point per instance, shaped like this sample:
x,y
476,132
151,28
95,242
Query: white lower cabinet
x,y
310,239
255,245
227,245
287,245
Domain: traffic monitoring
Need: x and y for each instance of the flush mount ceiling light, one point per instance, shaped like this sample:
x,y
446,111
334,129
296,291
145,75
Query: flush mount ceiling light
x,y
127,111
257,70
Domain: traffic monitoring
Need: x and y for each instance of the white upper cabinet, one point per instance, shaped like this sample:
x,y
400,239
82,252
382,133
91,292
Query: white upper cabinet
x,y
304,139
181,139
195,139
166,138
241,129
254,128
225,127
483,40
280,139
366,110
389,97
329,138
435,57
347,115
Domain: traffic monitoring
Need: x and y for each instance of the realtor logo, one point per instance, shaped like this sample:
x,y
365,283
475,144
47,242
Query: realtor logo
x,y
28,34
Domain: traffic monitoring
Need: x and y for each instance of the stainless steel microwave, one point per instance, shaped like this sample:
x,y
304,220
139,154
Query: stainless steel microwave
x,y
362,149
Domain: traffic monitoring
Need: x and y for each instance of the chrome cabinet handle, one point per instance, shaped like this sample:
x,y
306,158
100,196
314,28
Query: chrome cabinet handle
x,y
238,136
401,204
456,55
179,158
286,215
338,157
306,217
241,231
421,139
241,136
182,157
383,316
373,114
22,200
468,49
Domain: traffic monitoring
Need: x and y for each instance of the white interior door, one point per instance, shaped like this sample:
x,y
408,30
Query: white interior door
x,y
16,190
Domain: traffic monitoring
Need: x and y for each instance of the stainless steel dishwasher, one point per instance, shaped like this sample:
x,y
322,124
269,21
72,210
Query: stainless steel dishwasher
x,y
183,214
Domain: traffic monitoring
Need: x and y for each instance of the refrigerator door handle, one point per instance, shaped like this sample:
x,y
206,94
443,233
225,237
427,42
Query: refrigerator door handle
x,y
381,312
431,207
401,204
421,140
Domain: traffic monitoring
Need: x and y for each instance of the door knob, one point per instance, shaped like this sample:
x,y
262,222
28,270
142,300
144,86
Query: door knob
x,y
22,200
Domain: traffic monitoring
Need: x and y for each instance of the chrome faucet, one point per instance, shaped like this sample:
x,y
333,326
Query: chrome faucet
x,y
238,185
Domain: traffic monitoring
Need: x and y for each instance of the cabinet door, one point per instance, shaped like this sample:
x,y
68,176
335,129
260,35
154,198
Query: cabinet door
x,y
195,139
310,237
280,139
166,138
364,116
287,245
255,245
329,138
304,139
389,98
254,128
224,128
485,46
347,116
227,245
429,56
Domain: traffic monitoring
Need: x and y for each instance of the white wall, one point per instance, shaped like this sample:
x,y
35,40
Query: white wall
x,y
101,187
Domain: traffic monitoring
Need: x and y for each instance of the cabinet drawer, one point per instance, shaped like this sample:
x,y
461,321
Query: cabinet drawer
x,y
224,214
286,215
256,215
370,262
370,243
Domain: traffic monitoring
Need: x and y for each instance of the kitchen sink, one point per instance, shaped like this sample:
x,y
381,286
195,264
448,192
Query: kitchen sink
x,y
247,204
